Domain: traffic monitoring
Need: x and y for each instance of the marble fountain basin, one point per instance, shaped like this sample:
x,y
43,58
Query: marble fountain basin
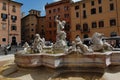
x,y
73,59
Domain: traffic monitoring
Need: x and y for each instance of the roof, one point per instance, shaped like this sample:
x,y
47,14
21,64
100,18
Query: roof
x,y
15,2
56,3
34,10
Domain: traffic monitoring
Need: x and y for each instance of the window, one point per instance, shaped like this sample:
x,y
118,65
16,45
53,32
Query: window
x,y
112,22
83,5
94,25
111,6
50,32
54,24
49,11
54,17
112,34
67,27
54,10
58,9
49,18
85,27
99,1
100,9
32,29
4,6
4,39
66,15
77,14
50,25
14,9
92,3
76,7
13,18
84,14
42,32
3,16
101,24
58,16
66,8
42,26
32,24
93,11
78,27
13,27
54,31
3,26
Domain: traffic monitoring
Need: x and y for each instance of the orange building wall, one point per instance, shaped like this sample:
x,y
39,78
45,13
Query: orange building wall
x,y
60,4
41,27
32,24
106,15
4,33
28,23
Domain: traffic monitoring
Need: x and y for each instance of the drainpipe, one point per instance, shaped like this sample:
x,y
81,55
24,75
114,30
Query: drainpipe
x,y
8,20
117,17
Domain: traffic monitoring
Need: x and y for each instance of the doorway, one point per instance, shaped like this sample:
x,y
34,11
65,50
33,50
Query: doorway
x,y
14,41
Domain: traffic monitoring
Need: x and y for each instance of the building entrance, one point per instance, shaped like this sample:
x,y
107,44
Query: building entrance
x,y
14,41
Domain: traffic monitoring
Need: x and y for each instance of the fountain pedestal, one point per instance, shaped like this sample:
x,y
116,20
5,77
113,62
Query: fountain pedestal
x,y
72,59
115,58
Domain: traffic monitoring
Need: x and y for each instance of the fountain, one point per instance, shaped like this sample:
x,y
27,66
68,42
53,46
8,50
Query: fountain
x,y
60,60
99,54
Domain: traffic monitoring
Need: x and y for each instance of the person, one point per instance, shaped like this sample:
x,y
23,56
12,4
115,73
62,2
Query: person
x,y
5,51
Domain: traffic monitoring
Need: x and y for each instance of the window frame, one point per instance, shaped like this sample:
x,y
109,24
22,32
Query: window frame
x,y
112,22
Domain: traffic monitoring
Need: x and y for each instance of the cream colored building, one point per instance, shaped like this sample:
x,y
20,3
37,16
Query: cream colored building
x,y
10,22
89,16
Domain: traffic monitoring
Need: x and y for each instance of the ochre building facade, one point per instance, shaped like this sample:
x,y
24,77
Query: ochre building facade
x,y
90,16
10,22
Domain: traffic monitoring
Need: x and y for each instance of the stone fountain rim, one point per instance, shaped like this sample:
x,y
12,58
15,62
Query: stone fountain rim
x,y
21,52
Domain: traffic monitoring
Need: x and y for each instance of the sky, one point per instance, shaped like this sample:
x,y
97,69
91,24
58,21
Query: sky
x,y
35,4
